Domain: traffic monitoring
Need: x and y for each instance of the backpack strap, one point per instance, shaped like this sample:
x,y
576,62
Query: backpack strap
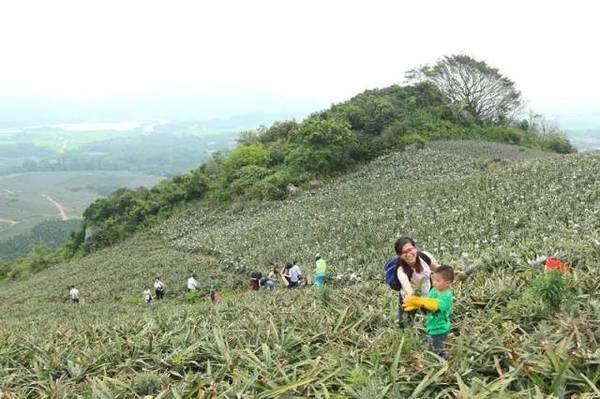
x,y
425,257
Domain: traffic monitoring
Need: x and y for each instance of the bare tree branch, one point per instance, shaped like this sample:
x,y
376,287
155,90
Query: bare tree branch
x,y
477,87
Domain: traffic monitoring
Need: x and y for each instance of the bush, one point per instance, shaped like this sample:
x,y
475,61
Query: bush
x,y
193,296
415,139
245,155
552,289
557,142
147,383
245,178
273,187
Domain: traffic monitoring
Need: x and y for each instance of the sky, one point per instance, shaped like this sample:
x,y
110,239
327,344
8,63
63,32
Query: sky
x,y
319,52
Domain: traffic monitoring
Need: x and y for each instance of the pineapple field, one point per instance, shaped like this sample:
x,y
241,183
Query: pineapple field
x,y
495,212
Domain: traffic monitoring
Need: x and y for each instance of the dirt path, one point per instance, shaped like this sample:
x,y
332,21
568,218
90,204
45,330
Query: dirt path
x,y
11,222
61,210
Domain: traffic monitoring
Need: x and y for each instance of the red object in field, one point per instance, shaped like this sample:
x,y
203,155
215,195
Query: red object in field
x,y
553,263
253,285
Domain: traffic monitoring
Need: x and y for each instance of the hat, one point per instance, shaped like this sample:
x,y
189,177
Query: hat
x,y
317,256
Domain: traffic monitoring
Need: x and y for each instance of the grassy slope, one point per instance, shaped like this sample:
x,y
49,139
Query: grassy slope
x,y
490,216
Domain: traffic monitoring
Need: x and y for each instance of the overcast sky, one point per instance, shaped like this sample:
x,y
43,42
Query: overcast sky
x,y
321,51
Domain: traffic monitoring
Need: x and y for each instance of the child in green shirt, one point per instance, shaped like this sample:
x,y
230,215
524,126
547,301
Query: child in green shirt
x,y
320,269
438,305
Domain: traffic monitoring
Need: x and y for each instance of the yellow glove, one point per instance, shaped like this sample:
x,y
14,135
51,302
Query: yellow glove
x,y
413,302
410,300
409,303
409,308
430,304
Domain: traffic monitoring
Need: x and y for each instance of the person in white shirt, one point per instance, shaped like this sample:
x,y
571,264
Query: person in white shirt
x,y
147,295
159,288
414,269
294,275
74,294
192,284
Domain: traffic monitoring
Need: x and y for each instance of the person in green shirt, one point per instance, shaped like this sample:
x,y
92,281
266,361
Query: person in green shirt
x,y
320,269
438,305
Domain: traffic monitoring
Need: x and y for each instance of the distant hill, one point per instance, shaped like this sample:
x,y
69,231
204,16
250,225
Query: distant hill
x,y
17,112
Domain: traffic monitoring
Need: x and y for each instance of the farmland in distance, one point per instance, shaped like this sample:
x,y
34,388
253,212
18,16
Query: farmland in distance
x,y
26,199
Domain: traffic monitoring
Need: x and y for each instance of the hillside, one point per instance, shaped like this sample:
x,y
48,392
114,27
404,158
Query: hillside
x,y
327,144
488,209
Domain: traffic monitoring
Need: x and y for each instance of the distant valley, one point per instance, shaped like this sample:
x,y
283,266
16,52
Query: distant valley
x,y
55,172
585,138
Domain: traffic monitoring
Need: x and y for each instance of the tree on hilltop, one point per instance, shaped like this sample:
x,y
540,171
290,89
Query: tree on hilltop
x,y
477,87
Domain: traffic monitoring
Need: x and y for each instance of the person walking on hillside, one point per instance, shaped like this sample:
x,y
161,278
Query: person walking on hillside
x,y
294,275
74,294
159,288
192,284
320,269
409,273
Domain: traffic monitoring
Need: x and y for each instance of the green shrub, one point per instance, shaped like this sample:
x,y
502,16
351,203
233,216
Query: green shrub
x,y
193,296
551,289
359,378
147,383
557,142
245,155
415,139
245,178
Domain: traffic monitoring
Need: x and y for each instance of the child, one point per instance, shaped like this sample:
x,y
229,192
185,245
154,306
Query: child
x,y
272,278
214,295
74,294
192,284
147,295
254,282
159,288
439,307
320,269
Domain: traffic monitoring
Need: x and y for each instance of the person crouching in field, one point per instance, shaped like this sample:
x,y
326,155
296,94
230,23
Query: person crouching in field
x,y
192,284
285,274
254,281
409,273
271,278
147,296
159,288
438,305
74,294
294,275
